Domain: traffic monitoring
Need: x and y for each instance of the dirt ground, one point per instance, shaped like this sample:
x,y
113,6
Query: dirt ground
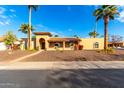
x,y
5,56
63,56
77,56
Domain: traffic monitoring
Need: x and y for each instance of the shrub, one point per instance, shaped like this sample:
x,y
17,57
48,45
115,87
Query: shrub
x,y
110,51
107,51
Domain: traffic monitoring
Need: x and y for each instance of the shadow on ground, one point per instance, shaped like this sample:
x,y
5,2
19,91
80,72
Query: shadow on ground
x,y
81,78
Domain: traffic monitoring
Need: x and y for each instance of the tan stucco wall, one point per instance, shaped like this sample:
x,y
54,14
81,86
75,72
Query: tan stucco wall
x,y
88,43
45,37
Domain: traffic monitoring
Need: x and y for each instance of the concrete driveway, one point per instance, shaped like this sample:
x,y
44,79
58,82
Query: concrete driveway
x,y
62,74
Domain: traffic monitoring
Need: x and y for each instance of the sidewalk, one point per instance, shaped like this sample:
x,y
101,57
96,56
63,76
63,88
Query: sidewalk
x,y
62,65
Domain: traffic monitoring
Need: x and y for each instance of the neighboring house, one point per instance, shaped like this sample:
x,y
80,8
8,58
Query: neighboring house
x,y
116,44
16,44
45,41
2,45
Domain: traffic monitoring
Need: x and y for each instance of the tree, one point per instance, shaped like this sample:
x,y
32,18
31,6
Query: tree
x,y
107,12
116,38
56,35
30,31
24,28
93,34
10,38
76,36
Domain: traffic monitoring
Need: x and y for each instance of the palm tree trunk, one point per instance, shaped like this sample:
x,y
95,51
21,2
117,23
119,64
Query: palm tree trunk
x,y
29,33
94,36
106,19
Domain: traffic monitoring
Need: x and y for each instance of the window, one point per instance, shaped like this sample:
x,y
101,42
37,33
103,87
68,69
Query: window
x,y
57,45
96,45
69,44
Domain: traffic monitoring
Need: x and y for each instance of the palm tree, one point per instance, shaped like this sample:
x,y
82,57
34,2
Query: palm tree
x,y
24,28
30,32
107,12
93,34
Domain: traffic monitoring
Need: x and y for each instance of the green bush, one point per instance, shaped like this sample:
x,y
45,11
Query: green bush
x,y
110,51
107,51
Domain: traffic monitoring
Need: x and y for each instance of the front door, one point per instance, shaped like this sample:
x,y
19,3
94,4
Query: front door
x,y
43,45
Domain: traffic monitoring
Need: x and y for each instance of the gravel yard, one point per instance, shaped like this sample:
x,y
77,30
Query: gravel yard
x,y
5,56
76,56
83,55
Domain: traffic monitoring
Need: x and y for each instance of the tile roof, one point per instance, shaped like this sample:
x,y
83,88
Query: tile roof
x,y
43,33
63,39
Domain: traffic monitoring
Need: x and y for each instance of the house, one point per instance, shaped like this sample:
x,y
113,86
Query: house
x,y
116,44
2,45
45,41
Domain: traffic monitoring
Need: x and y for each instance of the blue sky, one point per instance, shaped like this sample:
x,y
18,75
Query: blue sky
x,y
65,21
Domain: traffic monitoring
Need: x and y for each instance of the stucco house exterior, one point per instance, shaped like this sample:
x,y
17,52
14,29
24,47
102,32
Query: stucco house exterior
x,y
45,41
116,44
2,45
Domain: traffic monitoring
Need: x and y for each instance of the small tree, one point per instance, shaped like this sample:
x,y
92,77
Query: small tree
x,y
10,38
76,36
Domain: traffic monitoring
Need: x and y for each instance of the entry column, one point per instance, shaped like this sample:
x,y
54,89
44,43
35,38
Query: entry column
x,y
63,45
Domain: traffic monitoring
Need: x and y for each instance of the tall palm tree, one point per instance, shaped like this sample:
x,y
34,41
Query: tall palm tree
x,y
107,12
30,32
93,34
24,28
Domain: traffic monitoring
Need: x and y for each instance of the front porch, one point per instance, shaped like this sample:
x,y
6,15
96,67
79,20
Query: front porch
x,y
57,45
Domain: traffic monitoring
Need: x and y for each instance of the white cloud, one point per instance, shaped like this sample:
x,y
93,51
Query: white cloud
x,y
54,33
59,33
4,19
40,25
120,18
2,10
12,10
7,22
12,16
1,23
3,16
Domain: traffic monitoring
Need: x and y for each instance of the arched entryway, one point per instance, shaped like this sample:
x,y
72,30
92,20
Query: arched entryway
x,y
42,43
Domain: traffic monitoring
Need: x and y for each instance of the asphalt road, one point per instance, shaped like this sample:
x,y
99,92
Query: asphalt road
x,y
84,78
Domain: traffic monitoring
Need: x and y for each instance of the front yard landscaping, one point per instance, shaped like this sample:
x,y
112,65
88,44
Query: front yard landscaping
x,y
5,56
83,55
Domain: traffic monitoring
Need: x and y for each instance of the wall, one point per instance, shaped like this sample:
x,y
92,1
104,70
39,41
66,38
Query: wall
x,y
2,46
88,43
38,37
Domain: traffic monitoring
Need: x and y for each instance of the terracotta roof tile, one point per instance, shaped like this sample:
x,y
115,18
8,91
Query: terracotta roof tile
x,y
43,33
63,39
